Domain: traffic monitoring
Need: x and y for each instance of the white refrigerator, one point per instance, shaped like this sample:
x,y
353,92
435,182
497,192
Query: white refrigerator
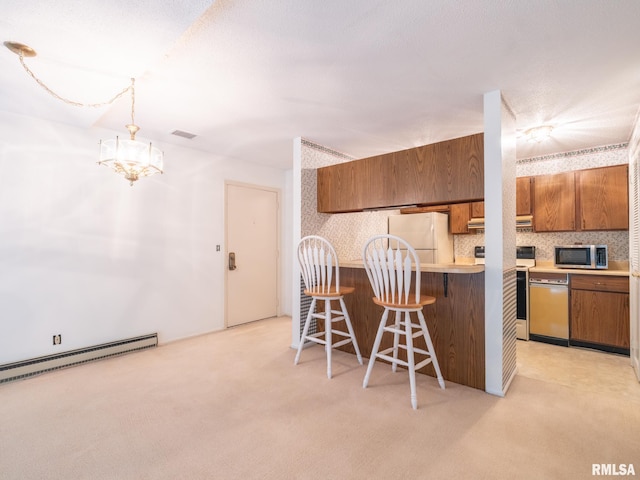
x,y
428,233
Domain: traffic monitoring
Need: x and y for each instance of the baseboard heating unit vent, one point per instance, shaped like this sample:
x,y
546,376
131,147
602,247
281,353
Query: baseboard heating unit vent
x,y
34,366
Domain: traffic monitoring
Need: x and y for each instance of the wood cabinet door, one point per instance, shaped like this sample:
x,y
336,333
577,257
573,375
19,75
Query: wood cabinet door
x,y
477,209
339,188
603,198
459,216
523,196
554,202
600,317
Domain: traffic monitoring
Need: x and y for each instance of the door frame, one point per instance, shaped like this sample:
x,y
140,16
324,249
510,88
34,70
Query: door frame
x,y
278,193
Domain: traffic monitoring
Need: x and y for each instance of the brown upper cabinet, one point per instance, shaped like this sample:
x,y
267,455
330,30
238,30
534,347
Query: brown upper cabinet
x,y
459,216
592,199
523,196
554,202
603,198
477,209
440,173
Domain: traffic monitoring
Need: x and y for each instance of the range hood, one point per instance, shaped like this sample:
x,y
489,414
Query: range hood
x,y
522,221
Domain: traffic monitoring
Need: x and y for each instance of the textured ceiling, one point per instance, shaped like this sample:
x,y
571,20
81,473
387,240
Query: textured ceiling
x,y
361,76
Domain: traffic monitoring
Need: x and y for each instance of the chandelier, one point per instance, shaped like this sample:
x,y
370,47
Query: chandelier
x,y
131,158
128,157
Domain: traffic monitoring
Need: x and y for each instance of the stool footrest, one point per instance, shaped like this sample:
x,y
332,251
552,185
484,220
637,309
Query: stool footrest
x,y
340,332
341,342
383,355
423,363
315,337
401,331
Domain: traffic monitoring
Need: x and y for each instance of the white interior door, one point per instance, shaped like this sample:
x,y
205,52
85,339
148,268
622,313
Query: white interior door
x,y
252,253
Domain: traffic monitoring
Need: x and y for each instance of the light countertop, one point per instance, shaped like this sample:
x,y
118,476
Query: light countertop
x,y
615,269
461,268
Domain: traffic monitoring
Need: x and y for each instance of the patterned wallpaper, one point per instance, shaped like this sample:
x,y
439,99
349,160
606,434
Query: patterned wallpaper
x,y
618,242
349,231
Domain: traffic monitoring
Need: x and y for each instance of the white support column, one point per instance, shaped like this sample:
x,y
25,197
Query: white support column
x,y
296,232
500,243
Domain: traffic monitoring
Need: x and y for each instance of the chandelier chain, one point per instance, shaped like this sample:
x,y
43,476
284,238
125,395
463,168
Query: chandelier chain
x,y
133,100
71,102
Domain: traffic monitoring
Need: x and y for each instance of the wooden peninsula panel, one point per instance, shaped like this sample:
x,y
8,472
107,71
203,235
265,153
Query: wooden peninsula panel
x,y
455,322
440,173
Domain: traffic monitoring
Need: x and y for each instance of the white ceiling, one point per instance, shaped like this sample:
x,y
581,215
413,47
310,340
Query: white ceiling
x,y
360,76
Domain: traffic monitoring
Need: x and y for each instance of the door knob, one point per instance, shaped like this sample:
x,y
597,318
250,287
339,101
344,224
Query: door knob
x,y
232,261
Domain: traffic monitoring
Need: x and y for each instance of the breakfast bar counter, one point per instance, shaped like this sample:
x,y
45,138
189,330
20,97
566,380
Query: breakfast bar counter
x,y
462,268
455,321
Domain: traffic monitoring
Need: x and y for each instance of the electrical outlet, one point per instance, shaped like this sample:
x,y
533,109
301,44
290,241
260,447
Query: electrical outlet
x,y
57,339
217,248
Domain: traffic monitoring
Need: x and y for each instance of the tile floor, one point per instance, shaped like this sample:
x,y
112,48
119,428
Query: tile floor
x,y
579,368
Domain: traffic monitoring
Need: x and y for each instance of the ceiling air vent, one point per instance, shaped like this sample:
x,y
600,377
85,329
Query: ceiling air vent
x,y
180,133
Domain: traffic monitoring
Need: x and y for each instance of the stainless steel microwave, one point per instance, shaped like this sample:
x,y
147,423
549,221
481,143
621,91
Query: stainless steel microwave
x,y
581,256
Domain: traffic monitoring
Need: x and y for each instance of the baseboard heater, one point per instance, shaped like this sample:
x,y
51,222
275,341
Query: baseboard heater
x,y
34,366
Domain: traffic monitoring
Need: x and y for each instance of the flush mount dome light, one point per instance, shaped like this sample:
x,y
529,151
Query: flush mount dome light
x,y
129,158
538,134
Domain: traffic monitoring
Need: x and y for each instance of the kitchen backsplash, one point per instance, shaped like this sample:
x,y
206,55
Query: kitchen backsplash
x,y
349,232
617,242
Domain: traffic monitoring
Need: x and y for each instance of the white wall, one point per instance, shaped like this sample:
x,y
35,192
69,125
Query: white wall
x,y
85,255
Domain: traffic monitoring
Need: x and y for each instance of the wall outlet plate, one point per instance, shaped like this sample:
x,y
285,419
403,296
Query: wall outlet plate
x,y
57,339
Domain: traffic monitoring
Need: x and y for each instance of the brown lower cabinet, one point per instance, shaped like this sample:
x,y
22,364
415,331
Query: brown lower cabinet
x,y
600,311
455,322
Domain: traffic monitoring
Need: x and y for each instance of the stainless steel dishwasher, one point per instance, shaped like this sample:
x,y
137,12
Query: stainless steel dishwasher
x,y
549,307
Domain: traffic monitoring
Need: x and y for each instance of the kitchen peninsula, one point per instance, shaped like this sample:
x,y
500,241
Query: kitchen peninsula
x,y
347,201
455,321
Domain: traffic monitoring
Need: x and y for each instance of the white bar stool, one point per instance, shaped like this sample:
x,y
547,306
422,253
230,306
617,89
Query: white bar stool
x,y
321,274
389,261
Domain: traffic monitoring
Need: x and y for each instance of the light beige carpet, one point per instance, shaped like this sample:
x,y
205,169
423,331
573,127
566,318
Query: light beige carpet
x,y
231,405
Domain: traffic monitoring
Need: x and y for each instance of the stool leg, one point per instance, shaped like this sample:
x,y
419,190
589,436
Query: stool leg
x,y
347,320
305,330
411,360
376,346
396,340
328,326
432,352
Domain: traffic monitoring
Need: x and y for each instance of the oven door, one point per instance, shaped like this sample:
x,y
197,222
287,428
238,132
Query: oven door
x,y
522,304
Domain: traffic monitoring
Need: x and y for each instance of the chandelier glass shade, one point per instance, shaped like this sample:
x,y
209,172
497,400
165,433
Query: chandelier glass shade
x,y
130,158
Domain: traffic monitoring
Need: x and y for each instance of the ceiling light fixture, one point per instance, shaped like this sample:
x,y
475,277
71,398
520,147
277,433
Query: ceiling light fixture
x,y
131,158
538,134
